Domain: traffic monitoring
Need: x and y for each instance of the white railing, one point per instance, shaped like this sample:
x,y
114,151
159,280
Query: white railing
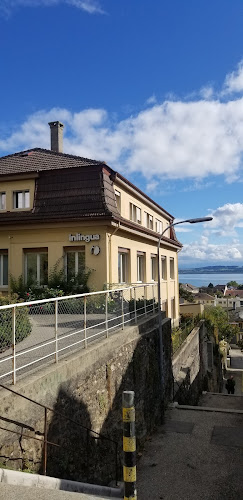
x,y
38,332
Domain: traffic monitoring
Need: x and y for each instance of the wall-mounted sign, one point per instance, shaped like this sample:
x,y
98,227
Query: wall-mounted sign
x,y
95,250
84,237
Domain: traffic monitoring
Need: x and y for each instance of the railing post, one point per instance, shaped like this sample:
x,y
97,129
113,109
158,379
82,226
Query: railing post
x,y
56,328
13,345
135,306
85,321
153,298
106,314
129,445
45,444
87,455
145,300
122,309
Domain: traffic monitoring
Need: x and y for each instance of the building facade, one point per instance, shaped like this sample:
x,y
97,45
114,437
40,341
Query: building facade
x,y
59,208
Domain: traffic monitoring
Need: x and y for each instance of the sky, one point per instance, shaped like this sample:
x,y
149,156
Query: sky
x,y
155,89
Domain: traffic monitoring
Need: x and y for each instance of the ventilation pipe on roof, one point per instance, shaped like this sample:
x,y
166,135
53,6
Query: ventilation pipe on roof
x,y
56,136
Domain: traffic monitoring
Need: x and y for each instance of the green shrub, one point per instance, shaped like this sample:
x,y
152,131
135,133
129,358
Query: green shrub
x,y
22,322
58,285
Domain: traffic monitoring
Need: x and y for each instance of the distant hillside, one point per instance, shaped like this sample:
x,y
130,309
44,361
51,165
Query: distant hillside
x,y
213,270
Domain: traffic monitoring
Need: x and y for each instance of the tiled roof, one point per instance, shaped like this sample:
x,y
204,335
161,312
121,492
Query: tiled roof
x,y
234,293
204,296
38,159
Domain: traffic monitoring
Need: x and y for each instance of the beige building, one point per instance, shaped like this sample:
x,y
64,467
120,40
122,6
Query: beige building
x,y
56,207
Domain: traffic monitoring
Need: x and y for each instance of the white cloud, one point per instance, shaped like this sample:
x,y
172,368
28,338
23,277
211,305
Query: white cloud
x,y
202,250
176,140
90,6
206,92
151,100
226,219
234,81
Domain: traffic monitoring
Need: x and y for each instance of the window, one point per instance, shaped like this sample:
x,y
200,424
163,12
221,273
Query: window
x,y
140,266
135,213
123,259
148,220
2,201
3,268
36,265
153,267
163,268
21,199
172,268
118,199
158,226
173,311
74,261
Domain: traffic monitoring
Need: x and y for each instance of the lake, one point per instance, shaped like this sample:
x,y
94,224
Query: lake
x,y
205,279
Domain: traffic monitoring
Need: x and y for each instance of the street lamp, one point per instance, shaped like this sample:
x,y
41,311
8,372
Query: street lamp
x,y
161,347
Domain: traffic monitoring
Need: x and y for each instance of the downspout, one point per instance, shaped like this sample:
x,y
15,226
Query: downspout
x,y
110,259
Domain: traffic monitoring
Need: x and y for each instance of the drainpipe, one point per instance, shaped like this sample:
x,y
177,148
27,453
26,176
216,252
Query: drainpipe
x,y
110,259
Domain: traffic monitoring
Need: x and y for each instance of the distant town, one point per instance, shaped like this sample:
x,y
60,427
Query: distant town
x,y
212,269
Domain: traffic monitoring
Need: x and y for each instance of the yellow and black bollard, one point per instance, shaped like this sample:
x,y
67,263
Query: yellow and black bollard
x,y
129,446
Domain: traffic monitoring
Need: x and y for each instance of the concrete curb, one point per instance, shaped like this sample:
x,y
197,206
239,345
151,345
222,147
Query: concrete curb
x,y
8,476
206,408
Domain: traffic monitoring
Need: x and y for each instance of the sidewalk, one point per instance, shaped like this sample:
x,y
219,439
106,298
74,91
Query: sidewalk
x,y
195,455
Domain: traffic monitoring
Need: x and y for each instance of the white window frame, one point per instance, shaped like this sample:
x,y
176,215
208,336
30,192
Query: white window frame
x,y
23,200
38,254
172,268
158,226
135,213
140,267
123,257
118,199
3,200
1,270
149,220
163,267
76,252
154,271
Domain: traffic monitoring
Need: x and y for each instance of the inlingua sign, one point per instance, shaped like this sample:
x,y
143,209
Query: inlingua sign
x,y
84,237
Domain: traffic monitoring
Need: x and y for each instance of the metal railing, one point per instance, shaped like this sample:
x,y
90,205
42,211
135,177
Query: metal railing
x,y
38,332
180,333
90,435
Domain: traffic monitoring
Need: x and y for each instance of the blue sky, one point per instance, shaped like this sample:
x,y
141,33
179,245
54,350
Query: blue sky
x,y
153,88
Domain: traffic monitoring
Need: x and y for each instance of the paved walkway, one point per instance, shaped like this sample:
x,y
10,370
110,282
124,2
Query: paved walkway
x,y
198,454
195,455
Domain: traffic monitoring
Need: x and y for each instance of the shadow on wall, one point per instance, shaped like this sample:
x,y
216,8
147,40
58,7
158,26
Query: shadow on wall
x,y
96,403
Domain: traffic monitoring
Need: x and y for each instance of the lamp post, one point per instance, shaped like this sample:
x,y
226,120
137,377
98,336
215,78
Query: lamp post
x,y
161,347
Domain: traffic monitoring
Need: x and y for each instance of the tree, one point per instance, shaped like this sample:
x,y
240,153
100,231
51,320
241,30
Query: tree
x,y
233,283
217,316
210,285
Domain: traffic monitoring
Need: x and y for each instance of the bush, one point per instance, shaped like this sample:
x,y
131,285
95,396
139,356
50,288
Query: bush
x,y
58,285
22,323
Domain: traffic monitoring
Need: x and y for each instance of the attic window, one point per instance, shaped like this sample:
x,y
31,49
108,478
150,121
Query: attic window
x,y
26,153
21,199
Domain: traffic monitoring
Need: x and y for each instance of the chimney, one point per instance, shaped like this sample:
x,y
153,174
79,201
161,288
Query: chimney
x,y
56,136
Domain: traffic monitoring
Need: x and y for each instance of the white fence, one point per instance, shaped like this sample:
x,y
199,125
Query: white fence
x,y
35,333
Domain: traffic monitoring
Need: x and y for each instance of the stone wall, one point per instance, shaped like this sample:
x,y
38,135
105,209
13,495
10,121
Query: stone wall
x,y
88,389
193,371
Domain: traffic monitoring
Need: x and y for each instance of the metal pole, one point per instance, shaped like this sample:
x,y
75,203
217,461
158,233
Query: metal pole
x,y
45,444
129,446
13,345
122,309
106,314
153,297
56,327
135,306
145,300
85,321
